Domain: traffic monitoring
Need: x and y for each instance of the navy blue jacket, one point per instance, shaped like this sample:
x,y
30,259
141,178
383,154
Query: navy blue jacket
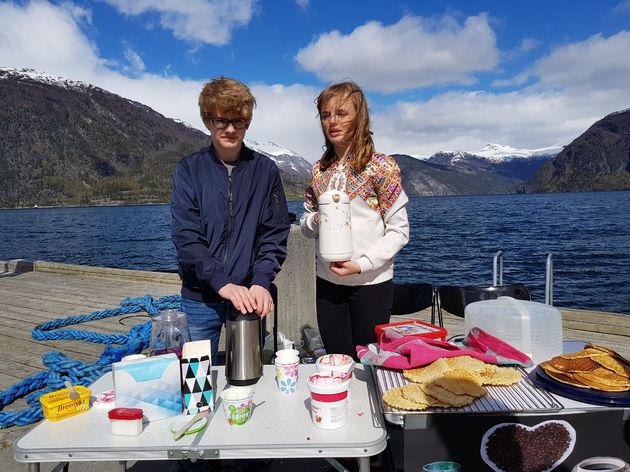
x,y
228,229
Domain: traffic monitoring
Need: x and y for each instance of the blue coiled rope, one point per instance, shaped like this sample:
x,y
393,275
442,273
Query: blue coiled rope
x,y
62,368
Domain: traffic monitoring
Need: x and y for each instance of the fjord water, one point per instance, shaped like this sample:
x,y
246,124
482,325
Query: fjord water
x,y
453,241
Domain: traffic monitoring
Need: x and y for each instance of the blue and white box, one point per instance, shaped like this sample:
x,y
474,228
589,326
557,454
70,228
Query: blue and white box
x,y
153,384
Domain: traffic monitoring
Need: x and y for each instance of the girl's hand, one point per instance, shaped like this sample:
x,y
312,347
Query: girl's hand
x,y
345,268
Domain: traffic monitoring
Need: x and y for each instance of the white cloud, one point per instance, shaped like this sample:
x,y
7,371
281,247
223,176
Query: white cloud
x,y
205,21
135,62
597,63
623,7
287,115
48,37
529,118
526,45
554,109
415,52
469,120
303,3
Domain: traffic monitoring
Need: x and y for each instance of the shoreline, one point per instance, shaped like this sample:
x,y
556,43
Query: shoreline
x,y
291,200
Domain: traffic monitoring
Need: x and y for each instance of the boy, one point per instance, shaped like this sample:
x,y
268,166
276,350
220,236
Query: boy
x,y
230,218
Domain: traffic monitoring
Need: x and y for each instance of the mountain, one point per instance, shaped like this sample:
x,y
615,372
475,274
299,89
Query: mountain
x,y
427,178
599,159
287,161
64,142
512,163
495,169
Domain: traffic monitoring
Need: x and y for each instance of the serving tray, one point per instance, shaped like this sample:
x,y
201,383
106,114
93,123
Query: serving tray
x,y
524,396
586,395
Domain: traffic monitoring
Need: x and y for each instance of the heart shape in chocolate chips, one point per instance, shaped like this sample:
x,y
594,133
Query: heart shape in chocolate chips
x,y
513,447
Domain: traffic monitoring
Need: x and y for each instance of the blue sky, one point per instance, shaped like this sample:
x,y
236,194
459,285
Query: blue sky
x,y
439,75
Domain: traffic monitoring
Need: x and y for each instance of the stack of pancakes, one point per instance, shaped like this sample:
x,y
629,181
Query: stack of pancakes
x,y
593,367
452,382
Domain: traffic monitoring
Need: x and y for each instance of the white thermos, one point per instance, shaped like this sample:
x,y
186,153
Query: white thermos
x,y
335,233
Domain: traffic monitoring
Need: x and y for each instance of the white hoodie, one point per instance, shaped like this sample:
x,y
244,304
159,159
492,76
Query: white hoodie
x,y
378,214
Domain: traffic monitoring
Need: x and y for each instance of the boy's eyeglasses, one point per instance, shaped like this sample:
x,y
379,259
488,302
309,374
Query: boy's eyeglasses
x,y
222,123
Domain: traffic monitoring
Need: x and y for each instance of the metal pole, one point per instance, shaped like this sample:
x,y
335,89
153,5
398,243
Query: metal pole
x,y
549,280
497,268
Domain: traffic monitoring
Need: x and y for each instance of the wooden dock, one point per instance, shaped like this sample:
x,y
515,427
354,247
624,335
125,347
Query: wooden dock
x,y
41,291
34,293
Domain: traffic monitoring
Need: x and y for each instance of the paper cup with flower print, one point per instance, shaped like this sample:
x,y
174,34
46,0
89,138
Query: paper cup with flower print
x,y
287,377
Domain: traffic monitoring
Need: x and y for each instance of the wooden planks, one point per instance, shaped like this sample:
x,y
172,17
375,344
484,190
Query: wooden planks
x,y
31,298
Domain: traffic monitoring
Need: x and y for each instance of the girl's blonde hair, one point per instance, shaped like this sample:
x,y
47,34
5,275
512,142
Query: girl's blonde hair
x,y
225,95
361,146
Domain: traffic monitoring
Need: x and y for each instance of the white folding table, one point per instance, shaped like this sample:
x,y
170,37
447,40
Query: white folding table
x,y
280,427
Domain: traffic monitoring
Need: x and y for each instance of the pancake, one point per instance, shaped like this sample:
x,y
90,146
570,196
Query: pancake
x,y
614,364
605,377
580,364
600,386
566,379
588,352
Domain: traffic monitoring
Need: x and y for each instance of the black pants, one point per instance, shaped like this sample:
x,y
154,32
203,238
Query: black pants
x,y
347,315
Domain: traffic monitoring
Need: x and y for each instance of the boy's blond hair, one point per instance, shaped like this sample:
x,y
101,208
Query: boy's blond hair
x,y
225,95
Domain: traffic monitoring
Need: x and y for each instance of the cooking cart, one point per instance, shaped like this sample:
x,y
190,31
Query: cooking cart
x,y
464,434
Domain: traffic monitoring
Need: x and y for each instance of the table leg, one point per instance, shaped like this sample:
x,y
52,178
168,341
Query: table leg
x,y
364,464
123,466
336,464
33,467
61,467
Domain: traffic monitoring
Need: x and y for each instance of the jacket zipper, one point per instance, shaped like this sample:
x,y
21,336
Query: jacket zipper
x,y
230,220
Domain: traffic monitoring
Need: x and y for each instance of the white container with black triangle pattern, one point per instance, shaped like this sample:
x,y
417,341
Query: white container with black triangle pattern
x,y
197,377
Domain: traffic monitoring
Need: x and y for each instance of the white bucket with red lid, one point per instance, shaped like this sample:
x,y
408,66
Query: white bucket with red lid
x,y
329,399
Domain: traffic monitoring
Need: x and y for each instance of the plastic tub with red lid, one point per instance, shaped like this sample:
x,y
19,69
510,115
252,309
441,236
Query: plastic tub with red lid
x,y
126,421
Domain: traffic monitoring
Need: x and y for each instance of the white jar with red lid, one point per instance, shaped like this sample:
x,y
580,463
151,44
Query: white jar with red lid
x,y
126,421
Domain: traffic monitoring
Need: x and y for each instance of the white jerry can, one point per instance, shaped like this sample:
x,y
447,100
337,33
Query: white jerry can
x,y
335,232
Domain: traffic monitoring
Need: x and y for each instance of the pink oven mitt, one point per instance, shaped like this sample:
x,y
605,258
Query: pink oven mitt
x,y
404,353
480,341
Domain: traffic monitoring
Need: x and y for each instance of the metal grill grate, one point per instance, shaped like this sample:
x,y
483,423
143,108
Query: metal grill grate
x,y
521,397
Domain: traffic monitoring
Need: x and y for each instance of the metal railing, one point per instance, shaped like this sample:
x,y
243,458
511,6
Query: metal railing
x,y
497,275
497,269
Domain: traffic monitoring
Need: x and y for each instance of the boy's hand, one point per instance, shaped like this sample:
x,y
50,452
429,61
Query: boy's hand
x,y
263,300
240,297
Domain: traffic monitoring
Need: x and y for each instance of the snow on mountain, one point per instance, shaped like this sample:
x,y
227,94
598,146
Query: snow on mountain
x,y
43,77
497,153
503,152
286,160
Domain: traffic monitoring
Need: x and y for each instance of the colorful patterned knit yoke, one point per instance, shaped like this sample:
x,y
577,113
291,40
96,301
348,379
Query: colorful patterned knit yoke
x,y
379,185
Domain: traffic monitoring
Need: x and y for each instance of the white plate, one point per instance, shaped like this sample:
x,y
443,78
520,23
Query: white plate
x,y
194,428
